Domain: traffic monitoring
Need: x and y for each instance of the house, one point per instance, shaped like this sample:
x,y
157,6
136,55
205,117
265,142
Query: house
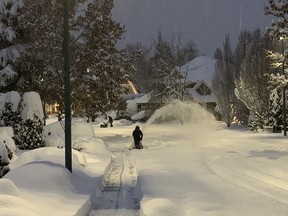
x,y
198,75
136,107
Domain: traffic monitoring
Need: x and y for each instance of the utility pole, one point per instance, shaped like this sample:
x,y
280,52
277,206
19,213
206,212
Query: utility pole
x,y
284,90
284,107
67,94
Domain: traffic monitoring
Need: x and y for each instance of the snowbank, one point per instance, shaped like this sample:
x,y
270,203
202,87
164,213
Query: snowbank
x,y
83,136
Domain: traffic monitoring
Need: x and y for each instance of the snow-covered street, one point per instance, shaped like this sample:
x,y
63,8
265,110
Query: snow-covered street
x,y
117,108
118,190
192,169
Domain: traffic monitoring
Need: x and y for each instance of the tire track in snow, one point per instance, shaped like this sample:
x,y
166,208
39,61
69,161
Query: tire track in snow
x,y
119,189
250,181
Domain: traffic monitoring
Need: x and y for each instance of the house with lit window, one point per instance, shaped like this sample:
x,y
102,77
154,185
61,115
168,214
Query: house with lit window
x,y
198,75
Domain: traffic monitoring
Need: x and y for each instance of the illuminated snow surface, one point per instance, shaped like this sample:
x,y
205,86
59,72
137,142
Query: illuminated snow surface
x,y
199,168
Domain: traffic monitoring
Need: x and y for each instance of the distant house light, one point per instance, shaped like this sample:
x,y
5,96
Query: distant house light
x,y
132,87
129,88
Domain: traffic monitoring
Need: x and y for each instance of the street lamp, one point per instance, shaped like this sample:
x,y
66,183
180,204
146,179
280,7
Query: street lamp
x,y
67,94
284,90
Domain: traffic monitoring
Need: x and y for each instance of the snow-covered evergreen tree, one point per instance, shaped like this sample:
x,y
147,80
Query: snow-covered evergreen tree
x,y
252,85
10,42
275,116
223,82
271,115
165,77
4,160
41,65
140,76
30,135
10,118
10,115
279,9
103,68
244,39
98,68
26,120
279,31
163,71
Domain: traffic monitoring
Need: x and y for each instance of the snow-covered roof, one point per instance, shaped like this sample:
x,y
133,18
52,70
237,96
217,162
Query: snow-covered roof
x,y
200,71
144,99
141,115
131,96
201,98
200,68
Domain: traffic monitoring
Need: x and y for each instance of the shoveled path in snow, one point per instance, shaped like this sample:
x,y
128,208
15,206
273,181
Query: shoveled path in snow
x,y
119,187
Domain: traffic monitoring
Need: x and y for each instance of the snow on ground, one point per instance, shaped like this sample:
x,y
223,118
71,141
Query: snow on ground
x,y
203,169
222,172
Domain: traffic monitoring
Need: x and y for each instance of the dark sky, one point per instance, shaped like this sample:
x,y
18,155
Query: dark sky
x,y
205,22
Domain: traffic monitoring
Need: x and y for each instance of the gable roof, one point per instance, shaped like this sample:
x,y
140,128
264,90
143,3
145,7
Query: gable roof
x,y
200,71
201,98
200,68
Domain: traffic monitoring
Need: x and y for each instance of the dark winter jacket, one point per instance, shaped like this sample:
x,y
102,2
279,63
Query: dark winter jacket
x,y
137,134
110,119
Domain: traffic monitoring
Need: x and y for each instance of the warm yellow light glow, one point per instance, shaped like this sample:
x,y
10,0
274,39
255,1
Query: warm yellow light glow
x,y
132,87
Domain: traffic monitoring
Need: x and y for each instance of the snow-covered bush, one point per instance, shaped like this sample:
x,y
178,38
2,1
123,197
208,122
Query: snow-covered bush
x,y
269,116
4,160
26,119
6,134
31,104
275,108
258,122
30,134
7,149
12,97
10,118
54,134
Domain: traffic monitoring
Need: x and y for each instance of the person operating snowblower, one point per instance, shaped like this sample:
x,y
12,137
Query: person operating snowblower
x,y
137,136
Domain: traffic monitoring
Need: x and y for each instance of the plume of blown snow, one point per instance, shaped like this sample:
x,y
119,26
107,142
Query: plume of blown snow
x,y
182,112
181,121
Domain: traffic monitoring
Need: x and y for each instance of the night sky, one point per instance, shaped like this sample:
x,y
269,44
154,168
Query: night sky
x,y
205,22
